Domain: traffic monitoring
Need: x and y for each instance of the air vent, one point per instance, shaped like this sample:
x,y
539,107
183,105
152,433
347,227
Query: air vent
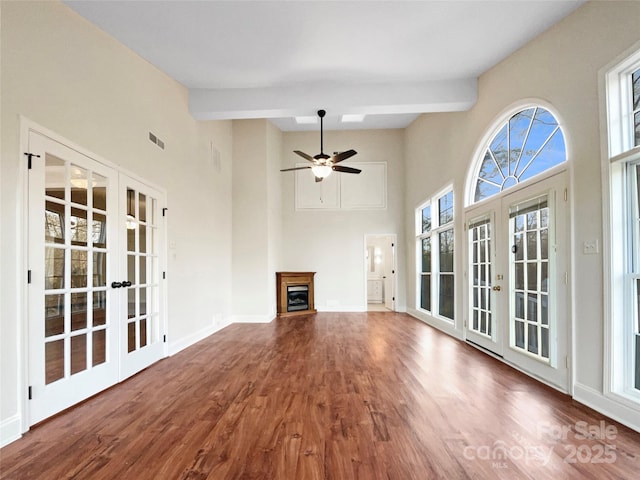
x,y
156,140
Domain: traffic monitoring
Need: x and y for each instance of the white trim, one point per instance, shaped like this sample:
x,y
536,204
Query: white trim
x,y
196,337
10,430
616,150
343,308
445,326
607,406
265,318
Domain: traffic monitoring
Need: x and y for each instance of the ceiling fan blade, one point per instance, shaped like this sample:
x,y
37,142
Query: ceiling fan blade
x,y
340,168
343,156
294,168
305,156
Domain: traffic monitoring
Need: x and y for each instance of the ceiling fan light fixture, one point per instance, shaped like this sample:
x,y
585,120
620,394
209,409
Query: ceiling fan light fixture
x,y
321,171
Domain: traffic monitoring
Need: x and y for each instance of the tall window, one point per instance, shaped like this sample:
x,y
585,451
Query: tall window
x,y
435,244
529,143
623,228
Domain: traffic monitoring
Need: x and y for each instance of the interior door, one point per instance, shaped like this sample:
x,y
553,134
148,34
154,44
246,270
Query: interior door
x,y
72,329
139,285
517,279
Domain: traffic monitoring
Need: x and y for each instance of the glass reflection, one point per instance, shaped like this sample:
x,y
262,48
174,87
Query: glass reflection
x,y
54,314
54,176
54,361
79,185
53,268
78,353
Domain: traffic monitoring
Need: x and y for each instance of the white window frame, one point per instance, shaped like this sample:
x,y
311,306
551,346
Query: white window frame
x,y
621,234
434,234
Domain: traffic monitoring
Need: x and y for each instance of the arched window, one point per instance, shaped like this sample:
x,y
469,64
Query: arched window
x,y
529,143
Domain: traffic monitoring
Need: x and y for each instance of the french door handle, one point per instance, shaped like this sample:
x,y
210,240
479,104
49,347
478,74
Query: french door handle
x,y
116,284
497,288
126,283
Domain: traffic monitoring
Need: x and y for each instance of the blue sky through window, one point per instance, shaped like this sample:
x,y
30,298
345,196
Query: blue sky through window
x,y
529,143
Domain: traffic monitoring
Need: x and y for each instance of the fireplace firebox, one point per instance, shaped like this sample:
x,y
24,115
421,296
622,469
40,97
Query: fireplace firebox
x,y
295,293
297,298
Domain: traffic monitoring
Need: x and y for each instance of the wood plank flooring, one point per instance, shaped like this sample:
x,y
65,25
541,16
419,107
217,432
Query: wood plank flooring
x,y
327,396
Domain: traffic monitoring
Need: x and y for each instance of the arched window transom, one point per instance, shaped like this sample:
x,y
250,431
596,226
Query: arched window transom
x,y
529,143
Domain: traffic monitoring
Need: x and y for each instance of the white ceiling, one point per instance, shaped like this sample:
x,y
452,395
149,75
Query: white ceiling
x,y
391,60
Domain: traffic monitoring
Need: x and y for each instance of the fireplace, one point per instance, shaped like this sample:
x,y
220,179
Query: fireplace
x,y
297,298
294,293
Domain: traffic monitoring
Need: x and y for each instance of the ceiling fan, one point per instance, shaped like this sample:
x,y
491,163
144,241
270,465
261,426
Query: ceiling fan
x,y
323,164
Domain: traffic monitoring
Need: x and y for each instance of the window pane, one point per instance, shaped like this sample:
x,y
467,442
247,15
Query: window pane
x,y
446,296
529,143
636,122
635,80
520,334
426,219
425,292
446,250
426,255
445,208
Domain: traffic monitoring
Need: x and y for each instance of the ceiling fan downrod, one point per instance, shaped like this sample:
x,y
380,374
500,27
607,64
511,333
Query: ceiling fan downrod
x,y
321,114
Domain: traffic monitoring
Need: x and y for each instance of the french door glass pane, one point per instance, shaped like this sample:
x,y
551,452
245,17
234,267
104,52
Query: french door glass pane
x,y
141,259
530,270
480,238
75,268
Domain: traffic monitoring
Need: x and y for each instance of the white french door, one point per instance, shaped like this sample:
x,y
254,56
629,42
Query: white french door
x,y
517,279
75,254
142,336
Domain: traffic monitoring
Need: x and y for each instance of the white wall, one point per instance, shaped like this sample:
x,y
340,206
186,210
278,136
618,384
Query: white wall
x,y
560,67
331,242
63,73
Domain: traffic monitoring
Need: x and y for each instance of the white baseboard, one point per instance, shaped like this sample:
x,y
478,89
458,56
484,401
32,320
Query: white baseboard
x,y
268,318
185,342
441,325
607,406
10,430
342,308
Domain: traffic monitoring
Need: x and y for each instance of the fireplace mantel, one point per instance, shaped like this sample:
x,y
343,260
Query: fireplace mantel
x,y
286,283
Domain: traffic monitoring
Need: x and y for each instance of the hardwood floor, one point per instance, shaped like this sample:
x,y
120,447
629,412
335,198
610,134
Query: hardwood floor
x,y
327,396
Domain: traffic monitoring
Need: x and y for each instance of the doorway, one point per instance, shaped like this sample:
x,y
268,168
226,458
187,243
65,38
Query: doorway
x,y
95,301
380,272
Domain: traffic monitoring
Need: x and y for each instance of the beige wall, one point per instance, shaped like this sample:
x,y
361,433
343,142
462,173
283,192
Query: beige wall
x,y
559,67
64,74
332,243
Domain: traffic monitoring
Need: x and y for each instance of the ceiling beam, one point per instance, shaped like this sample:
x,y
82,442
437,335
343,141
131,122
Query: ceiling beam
x,y
369,99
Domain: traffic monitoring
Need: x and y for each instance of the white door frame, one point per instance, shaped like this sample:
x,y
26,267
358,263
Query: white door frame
x,y
394,280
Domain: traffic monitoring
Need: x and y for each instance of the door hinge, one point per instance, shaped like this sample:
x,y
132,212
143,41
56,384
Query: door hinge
x,y
28,276
30,393
164,211
30,156
566,278
566,194
164,338
566,361
393,245
393,272
393,299
164,275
